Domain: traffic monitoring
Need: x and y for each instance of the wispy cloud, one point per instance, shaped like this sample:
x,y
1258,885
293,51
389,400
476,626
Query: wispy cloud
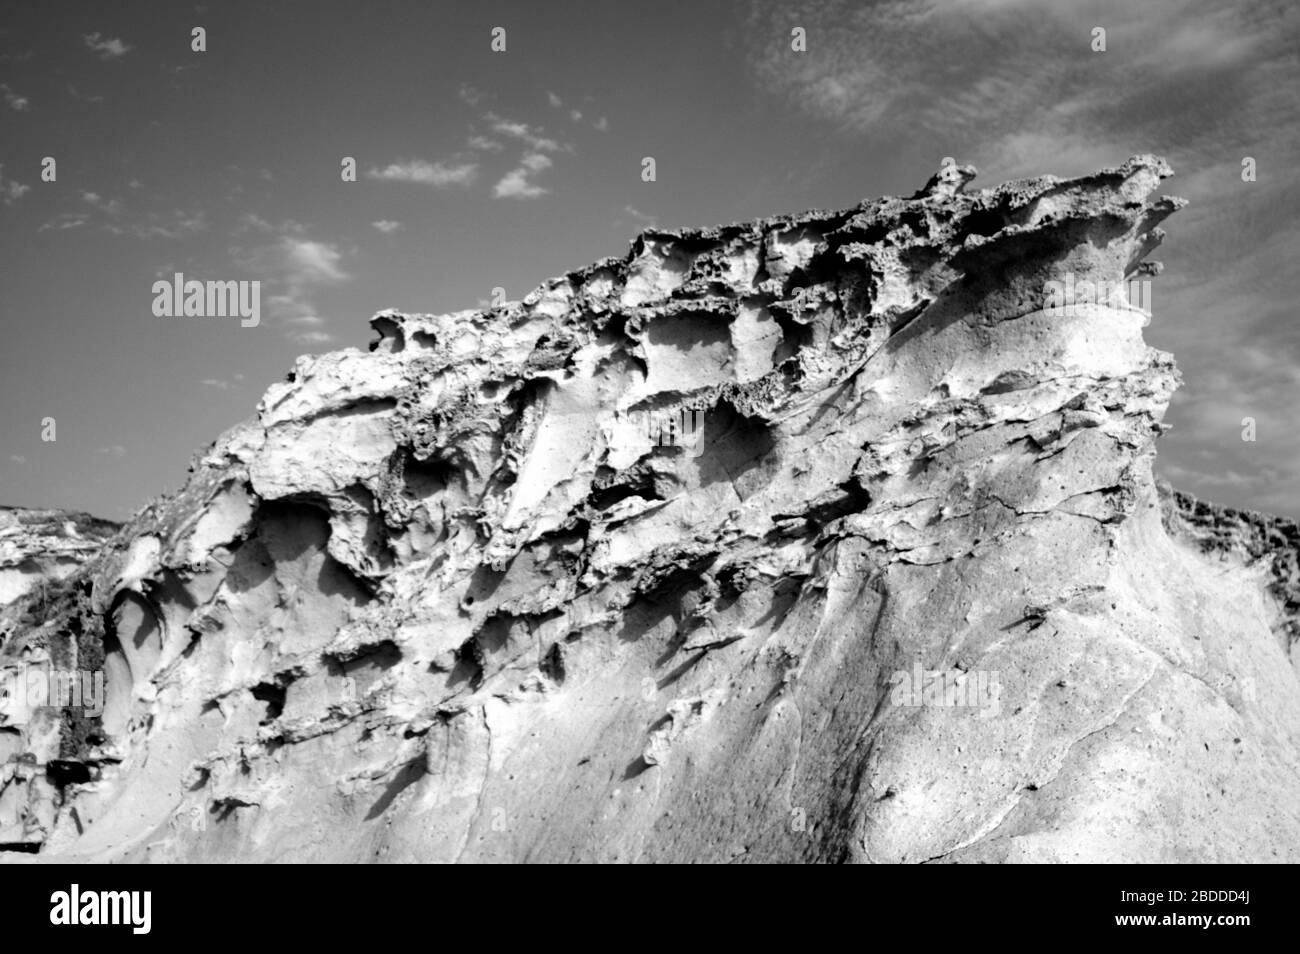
x,y
170,225
958,70
310,262
107,206
313,337
641,218
108,48
115,450
13,100
64,221
387,226
115,216
471,95
10,190
75,94
516,184
437,174
575,114
523,132
294,269
220,385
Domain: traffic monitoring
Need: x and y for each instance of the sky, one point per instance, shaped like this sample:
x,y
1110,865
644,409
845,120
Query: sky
x,y
480,168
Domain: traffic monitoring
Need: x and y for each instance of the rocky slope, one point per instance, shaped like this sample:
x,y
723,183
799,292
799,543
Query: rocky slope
x,y
652,566
42,546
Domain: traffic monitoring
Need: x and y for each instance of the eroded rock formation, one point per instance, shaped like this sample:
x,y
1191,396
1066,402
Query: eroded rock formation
x,y
40,547
459,598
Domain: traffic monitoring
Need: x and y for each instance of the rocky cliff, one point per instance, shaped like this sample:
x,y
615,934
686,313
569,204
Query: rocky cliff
x,y
824,537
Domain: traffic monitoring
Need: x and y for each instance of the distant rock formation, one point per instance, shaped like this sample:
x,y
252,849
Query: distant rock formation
x,y
817,538
43,546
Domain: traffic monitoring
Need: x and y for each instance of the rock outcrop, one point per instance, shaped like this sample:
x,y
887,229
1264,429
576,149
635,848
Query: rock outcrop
x,y
42,546
823,537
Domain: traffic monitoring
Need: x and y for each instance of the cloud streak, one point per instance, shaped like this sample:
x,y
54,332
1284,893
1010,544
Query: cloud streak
x,y
108,48
422,172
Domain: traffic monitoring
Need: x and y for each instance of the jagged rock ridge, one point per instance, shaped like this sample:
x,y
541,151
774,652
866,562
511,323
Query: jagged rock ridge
x,y
454,599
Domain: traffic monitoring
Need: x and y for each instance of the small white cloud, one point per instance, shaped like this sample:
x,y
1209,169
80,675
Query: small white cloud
x,y
575,115
312,337
116,450
554,100
471,95
523,132
107,206
108,48
387,226
222,385
435,174
536,162
65,220
13,100
85,99
10,191
641,218
18,458
485,144
601,124
251,220
310,261
515,185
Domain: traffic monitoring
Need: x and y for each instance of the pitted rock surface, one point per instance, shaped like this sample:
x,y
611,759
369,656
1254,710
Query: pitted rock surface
x,y
457,599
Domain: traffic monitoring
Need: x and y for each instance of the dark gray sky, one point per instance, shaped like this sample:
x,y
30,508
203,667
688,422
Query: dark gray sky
x,y
480,169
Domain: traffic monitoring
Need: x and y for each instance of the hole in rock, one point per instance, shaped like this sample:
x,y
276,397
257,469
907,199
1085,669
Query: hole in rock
x,y
273,697
63,772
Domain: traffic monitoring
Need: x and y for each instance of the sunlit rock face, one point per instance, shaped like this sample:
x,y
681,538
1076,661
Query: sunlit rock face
x,y
825,537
